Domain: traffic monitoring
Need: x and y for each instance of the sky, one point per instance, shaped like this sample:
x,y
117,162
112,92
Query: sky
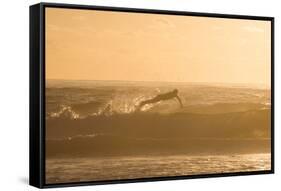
x,y
102,45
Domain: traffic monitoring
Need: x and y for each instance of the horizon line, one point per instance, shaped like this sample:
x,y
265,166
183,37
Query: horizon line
x,y
234,83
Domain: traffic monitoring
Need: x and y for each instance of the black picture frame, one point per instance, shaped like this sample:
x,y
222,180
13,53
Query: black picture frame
x,y
37,93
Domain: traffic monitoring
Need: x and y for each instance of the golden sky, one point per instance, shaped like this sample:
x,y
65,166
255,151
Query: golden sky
x,y
102,45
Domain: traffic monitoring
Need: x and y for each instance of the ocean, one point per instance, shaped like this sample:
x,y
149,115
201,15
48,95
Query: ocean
x,y
117,168
95,132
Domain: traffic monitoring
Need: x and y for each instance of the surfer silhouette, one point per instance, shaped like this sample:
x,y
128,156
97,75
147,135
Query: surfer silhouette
x,y
161,97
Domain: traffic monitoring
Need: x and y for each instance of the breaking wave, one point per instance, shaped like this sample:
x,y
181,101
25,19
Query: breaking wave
x,y
73,100
102,118
110,108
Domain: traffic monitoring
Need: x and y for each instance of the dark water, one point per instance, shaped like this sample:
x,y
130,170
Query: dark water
x,y
94,125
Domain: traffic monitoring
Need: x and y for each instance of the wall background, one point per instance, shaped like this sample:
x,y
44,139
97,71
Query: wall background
x,y
14,88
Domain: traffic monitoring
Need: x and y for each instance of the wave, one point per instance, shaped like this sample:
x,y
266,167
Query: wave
x,y
96,108
109,108
147,131
86,117
76,100
64,112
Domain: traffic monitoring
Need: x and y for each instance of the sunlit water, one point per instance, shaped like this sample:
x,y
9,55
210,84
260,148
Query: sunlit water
x,y
114,168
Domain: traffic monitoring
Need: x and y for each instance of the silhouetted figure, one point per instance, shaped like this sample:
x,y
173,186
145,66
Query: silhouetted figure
x,y
162,97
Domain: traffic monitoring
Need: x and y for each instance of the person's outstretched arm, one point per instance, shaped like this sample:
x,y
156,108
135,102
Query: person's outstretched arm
x,y
179,99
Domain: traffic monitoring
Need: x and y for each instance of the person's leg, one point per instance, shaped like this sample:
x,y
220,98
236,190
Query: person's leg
x,y
149,101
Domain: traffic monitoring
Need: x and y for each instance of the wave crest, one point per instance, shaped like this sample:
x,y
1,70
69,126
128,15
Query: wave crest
x,y
109,108
65,112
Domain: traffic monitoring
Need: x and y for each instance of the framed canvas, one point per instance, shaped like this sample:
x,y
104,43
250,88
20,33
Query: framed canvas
x,y
123,95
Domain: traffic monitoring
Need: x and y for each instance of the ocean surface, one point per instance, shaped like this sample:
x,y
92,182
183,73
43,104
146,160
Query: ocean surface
x,y
80,99
95,132
116,168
